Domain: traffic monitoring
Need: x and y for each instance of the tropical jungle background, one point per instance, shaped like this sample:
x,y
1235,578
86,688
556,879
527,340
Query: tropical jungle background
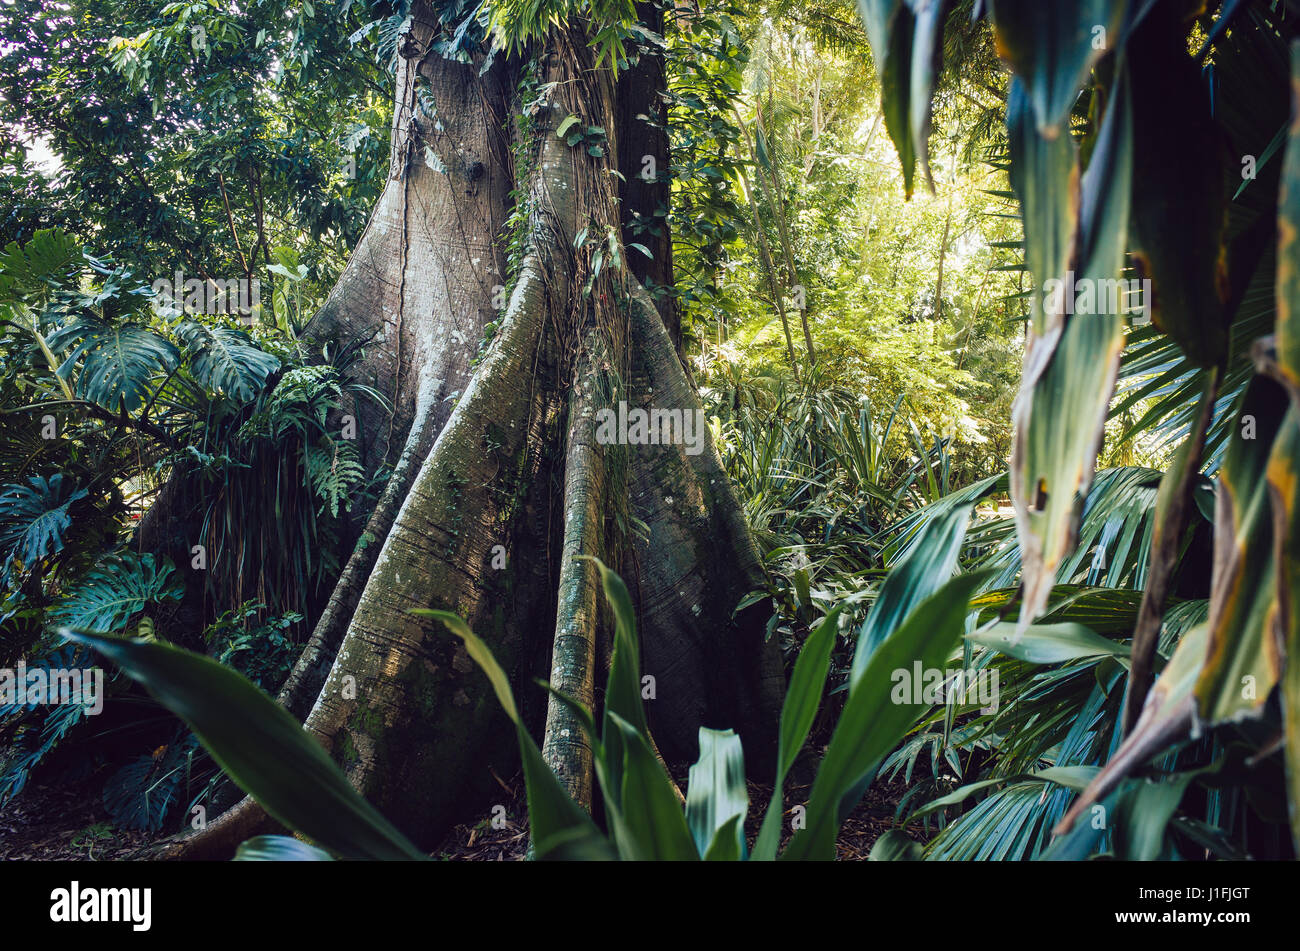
x,y
862,205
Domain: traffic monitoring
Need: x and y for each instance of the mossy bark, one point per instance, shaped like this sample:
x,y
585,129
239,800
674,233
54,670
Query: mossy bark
x,y
490,508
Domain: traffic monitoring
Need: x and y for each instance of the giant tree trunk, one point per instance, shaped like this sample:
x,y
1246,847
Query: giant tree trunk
x,y
496,493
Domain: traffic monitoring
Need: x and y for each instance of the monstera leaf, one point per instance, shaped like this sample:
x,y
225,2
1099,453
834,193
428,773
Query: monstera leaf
x,y
34,518
119,362
115,590
225,360
43,263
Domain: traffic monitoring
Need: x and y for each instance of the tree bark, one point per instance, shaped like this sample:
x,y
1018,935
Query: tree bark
x,y
496,494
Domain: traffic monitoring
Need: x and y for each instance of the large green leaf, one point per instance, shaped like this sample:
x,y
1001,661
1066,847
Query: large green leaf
x,y
1287,333
1175,504
890,27
1167,717
1044,174
560,828
115,590
225,360
259,745
623,688
34,518
654,825
48,260
1070,361
871,723
1046,643
927,32
929,564
1243,662
803,697
1052,47
120,362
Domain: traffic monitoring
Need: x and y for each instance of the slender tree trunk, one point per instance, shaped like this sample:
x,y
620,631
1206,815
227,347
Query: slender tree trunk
x,y
776,198
497,493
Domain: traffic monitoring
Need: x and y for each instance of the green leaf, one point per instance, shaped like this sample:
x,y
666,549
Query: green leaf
x,y
623,688
894,846
1244,597
1047,643
1052,47
50,258
560,828
279,848
803,698
871,723
655,828
728,843
260,746
119,362
35,517
1070,361
716,793
890,27
115,590
929,563
225,360
1167,717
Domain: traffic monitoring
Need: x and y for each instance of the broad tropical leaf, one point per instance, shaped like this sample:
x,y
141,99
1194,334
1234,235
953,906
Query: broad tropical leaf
x,y
871,724
1070,361
1243,661
34,518
115,590
1052,47
225,360
716,798
560,828
1046,643
120,362
46,261
802,699
260,746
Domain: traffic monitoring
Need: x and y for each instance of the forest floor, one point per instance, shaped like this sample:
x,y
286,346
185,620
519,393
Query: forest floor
x,y
56,822
874,816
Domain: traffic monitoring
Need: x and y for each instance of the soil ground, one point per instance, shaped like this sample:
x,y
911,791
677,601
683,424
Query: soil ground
x,y
51,822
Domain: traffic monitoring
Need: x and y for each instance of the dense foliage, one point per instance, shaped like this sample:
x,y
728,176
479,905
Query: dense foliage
x,y
1091,511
